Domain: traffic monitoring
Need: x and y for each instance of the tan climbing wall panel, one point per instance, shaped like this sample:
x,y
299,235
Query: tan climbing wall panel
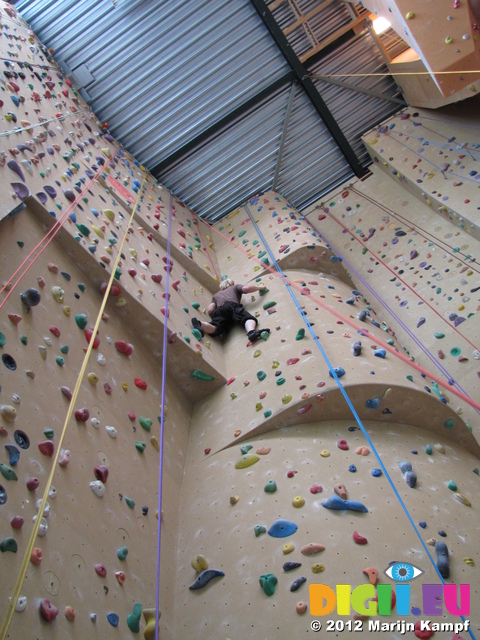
x,y
84,530
427,278
235,605
435,156
441,32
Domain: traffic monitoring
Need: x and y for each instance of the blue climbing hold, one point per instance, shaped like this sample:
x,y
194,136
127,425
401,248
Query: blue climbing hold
x,y
372,403
423,525
282,528
337,504
380,353
376,473
113,619
205,577
340,371
352,468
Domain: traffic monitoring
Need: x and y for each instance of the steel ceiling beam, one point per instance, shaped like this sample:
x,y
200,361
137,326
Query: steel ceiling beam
x,y
301,75
205,135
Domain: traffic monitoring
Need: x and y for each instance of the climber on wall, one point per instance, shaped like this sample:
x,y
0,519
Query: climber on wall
x,y
226,310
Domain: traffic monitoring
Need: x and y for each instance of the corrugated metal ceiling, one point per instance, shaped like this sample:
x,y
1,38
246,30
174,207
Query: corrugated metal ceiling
x,y
197,91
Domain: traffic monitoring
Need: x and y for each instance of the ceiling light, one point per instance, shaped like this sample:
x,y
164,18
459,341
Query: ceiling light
x,y
380,25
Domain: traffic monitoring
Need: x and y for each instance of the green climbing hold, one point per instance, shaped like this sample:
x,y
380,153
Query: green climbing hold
x,y
262,292
429,449
196,305
265,261
439,335
410,378
7,472
364,250
269,304
259,529
270,487
246,448
197,334
65,349
267,413
241,233
3,339
84,230
452,485
265,335
246,461
122,553
133,619
60,361
130,502
300,335
261,375
268,582
391,341
280,381
200,375
82,286
145,423
187,339
185,309
49,433
81,320
261,254
118,273
449,424
24,339
455,351
140,446
9,544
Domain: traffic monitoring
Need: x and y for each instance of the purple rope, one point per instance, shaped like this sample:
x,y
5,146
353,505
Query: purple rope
x,y
162,413
392,313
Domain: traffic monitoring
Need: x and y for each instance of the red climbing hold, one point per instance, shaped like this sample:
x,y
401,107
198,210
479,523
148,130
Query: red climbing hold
x,y
17,522
55,331
291,473
82,415
141,384
14,317
124,347
101,570
291,361
32,484
426,633
175,284
48,610
156,277
47,448
316,488
358,539
342,444
131,416
89,335
101,473
207,451
230,380
66,392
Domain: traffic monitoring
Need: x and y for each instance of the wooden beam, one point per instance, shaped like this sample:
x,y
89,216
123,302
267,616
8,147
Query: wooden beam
x,y
275,4
307,17
325,43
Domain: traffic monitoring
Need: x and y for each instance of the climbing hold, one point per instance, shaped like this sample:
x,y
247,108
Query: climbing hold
x,y
341,491
372,575
133,619
261,375
205,577
199,563
17,522
97,487
459,497
380,353
7,472
246,461
120,576
246,448
372,403
100,570
362,451
409,475
270,487
82,415
9,362
301,607
48,610
316,488
145,423
30,298
325,453
8,413
358,539
452,485
441,550
337,504
288,548
300,334
200,375
268,582
298,502
312,548
122,553
339,371
112,618
69,613
318,567
289,566
282,529
234,500
9,544
259,529
36,556
357,348
124,347
376,473
342,444
296,584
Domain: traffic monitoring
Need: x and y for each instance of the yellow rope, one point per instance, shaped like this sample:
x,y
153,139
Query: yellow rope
x,y
392,73
23,570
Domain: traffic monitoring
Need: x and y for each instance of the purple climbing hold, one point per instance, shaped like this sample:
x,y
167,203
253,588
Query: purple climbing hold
x,y
458,320
420,322
50,191
69,195
395,240
14,166
413,254
42,197
21,190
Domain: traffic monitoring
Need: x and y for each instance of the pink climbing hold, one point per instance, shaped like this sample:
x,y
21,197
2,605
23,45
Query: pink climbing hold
x,y
342,444
47,448
230,380
107,388
82,415
101,570
36,556
341,491
316,488
15,318
358,539
66,392
48,610
304,409
141,384
124,347
312,548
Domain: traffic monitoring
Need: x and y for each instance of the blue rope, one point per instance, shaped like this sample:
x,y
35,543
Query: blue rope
x,y
347,399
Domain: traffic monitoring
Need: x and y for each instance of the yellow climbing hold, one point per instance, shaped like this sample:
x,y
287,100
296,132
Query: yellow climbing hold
x,y
318,567
298,502
325,453
98,231
92,378
124,386
108,213
234,500
67,311
459,497
257,353
154,442
199,563
246,461
288,547
120,302
286,398
275,364
469,561
439,447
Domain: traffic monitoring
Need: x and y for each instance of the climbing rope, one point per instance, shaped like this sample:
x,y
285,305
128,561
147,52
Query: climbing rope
x,y
347,399
26,559
51,233
206,247
162,414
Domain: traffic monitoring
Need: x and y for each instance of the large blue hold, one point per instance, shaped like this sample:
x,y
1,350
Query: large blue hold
x,y
282,529
113,619
337,504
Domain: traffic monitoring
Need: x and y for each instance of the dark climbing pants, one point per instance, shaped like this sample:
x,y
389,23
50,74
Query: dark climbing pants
x,y
229,314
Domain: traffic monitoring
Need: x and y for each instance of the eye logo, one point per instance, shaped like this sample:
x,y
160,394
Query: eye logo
x,y
403,572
